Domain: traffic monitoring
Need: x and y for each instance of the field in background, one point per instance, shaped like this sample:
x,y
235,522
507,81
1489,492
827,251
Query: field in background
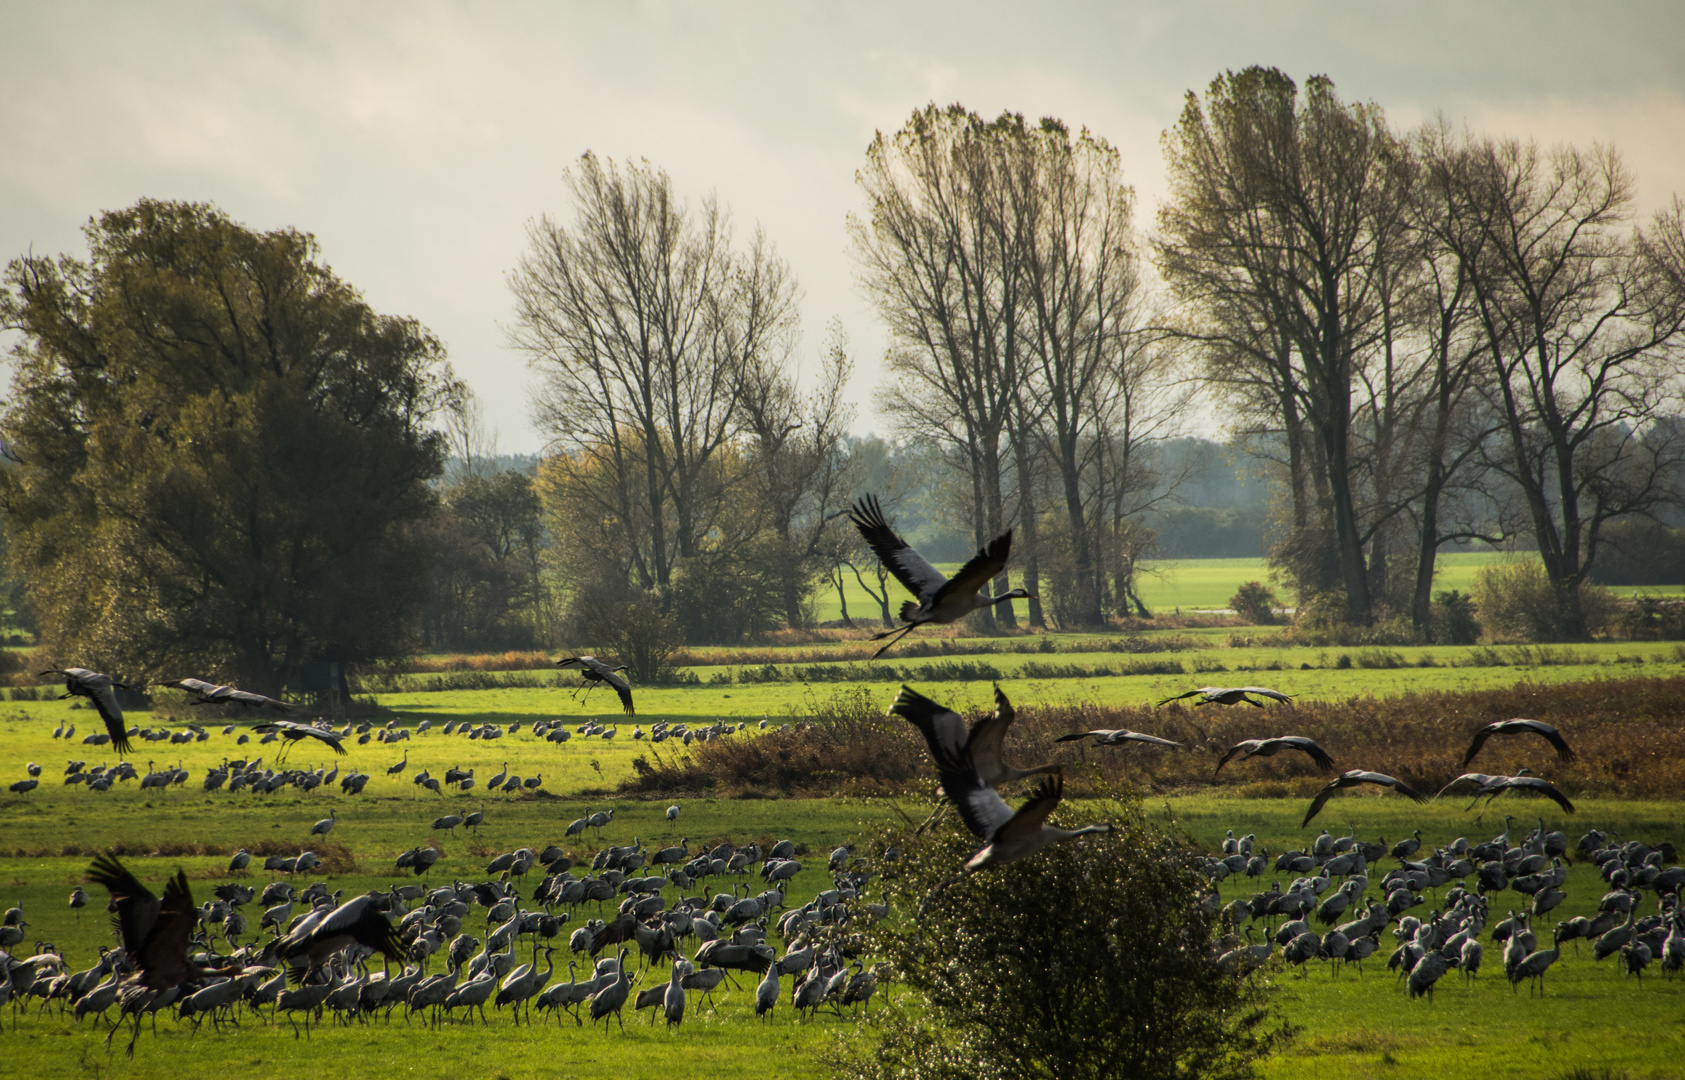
x,y
1197,584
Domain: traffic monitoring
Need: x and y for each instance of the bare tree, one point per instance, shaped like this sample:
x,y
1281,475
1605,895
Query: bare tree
x,y
1297,203
946,276
644,319
1583,316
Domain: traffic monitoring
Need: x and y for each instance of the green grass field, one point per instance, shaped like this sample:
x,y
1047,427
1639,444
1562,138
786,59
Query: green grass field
x,y
1190,585
1350,1026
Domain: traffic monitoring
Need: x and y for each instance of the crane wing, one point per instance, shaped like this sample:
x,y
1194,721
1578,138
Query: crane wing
x,y
1264,691
943,730
909,567
1075,735
1233,750
622,688
1480,738
137,908
1479,778
1138,736
1029,819
1543,787
1554,737
97,689
982,566
192,686
1319,802
163,955
980,806
1309,746
987,739
1180,697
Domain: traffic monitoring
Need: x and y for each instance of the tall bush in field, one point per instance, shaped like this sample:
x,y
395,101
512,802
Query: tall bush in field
x,y
1094,959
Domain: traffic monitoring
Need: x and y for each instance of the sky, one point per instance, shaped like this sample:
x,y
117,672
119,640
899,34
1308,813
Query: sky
x,y
418,140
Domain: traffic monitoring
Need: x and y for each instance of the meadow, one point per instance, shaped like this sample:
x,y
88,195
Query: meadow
x,y
1168,586
1352,1025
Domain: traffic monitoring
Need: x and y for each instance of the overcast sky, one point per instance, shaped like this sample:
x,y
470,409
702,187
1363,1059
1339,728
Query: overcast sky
x,y
416,140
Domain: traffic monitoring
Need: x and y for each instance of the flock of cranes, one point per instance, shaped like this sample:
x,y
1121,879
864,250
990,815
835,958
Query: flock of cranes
x,y
1335,878
315,952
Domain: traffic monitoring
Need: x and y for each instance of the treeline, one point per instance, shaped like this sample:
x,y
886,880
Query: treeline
x,y
217,456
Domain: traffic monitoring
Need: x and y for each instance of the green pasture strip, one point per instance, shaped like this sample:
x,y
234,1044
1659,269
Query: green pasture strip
x,y
1230,649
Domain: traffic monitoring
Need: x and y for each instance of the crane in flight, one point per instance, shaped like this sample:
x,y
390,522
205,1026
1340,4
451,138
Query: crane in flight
x,y
1231,695
1490,787
1117,737
596,673
209,693
1272,747
102,691
1352,778
293,732
1519,726
940,599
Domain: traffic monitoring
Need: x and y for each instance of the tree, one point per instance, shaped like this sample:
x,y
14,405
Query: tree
x,y
940,260
223,451
644,319
1584,317
1093,959
488,590
1284,231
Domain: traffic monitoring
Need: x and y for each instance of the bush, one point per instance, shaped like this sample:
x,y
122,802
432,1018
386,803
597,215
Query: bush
x,y
1255,602
1452,619
1516,600
630,625
1093,959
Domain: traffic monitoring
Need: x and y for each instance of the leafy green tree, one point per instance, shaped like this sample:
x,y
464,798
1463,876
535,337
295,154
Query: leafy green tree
x,y
488,591
222,451
1093,959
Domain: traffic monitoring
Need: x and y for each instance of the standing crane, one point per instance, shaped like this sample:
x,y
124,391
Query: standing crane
x,y
940,599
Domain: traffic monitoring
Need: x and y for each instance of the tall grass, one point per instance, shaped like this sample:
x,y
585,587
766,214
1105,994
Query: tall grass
x,y
1629,735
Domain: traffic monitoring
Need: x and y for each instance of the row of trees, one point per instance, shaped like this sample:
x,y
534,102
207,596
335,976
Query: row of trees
x,y
1432,336
218,456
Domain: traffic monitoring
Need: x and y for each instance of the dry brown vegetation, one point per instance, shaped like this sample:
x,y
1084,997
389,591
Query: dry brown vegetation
x,y
1629,735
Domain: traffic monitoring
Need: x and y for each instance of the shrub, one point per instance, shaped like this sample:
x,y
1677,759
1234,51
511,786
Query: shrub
x,y
1517,600
1094,959
1255,602
1452,618
631,625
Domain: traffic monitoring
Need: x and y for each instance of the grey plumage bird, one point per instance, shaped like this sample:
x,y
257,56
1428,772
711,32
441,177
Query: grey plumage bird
x,y
1231,695
209,693
596,673
1518,726
102,690
940,599
1352,778
1117,737
1271,747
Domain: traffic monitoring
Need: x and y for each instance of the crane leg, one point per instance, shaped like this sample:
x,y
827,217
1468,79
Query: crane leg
x,y
894,636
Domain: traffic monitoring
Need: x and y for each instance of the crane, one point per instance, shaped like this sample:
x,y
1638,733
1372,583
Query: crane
x,y
209,693
940,599
293,732
596,673
102,690
1493,786
1518,726
1352,778
1271,747
945,733
1231,695
1117,737
1007,836
326,930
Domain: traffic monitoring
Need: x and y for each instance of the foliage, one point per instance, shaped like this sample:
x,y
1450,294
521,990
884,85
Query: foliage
x,y
487,587
1517,600
1454,621
222,451
628,624
1255,602
1640,551
1093,959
